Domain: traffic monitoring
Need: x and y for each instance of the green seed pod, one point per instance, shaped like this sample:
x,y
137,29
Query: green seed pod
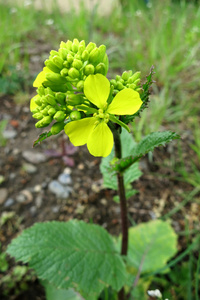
x,y
94,55
75,115
69,45
57,127
126,75
64,72
51,111
89,70
77,64
90,46
134,77
51,66
55,78
85,55
59,116
40,91
73,73
60,98
100,68
38,116
58,61
80,85
70,58
50,99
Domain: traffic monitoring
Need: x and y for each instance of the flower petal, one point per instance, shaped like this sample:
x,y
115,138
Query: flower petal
x,y
79,131
126,102
41,77
97,89
100,141
33,105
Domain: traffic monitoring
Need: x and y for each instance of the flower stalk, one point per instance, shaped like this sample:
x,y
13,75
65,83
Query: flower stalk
x,y
123,205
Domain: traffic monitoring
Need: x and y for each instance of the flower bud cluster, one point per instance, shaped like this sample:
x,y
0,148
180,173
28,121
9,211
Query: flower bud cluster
x,y
126,80
72,63
50,106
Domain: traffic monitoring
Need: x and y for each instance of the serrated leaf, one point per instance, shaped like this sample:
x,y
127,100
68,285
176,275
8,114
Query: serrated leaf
x,y
147,144
132,174
73,254
151,245
42,137
60,294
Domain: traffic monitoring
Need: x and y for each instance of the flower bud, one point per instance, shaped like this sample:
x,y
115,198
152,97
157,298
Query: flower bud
x,y
64,72
85,55
120,86
63,45
137,81
70,58
134,77
113,82
74,99
51,111
60,98
52,66
139,90
49,91
63,53
81,48
74,47
44,122
57,127
94,55
82,44
40,90
77,64
58,61
55,78
59,116
131,86
67,64
89,69
118,77
100,68
73,73
38,116
75,115
50,99
38,100
44,112
126,75
102,51
90,46
80,85
69,45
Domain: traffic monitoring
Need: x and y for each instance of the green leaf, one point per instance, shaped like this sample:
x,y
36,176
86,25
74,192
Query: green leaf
x,y
73,254
132,174
147,144
42,137
53,293
151,245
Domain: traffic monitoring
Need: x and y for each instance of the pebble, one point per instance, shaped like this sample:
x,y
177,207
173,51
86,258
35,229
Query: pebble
x,y
33,210
29,168
67,171
3,195
9,133
34,157
55,209
38,201
58,189
9,202
24,197
65,179
37,188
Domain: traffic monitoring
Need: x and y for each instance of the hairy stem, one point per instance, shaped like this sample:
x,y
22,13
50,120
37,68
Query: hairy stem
x,y
123,205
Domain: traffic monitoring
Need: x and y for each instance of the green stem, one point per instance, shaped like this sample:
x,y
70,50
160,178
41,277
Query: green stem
x,y
123,205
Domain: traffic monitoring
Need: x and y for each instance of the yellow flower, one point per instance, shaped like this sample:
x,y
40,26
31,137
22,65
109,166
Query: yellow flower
x,y
94,131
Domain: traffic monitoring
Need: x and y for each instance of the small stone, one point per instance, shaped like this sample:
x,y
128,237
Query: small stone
x,y
16,151
37,188
29,168
9,202
3,195
38,201
24,197
21,198
80,209
55,209
34,157
12,176
58,189
104,201
33,210
65,179
81,166
9,133
67,171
